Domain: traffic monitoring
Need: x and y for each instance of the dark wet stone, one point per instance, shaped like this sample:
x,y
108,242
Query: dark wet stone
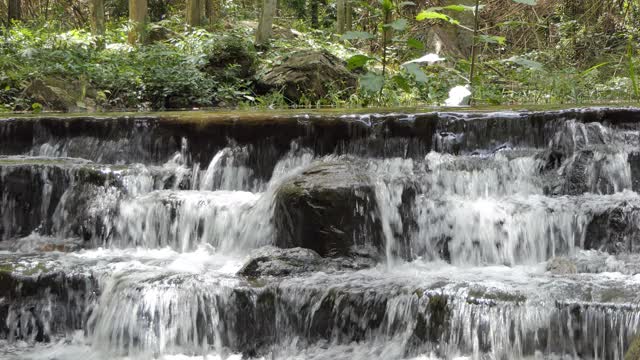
x,y
44,304
271,261
327,208
615,230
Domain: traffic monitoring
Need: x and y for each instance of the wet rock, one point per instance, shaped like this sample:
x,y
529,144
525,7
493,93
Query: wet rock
x,y
327,208
599,172
572,136
561,266
310,74
38,303
615,230
272,261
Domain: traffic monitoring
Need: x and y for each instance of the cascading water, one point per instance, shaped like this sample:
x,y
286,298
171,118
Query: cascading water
x,y
427,236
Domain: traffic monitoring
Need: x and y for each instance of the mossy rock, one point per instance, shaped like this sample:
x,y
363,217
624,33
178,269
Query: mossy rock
x,y
309,74
634,350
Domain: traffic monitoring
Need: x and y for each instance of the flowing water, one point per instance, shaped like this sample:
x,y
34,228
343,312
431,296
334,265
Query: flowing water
x,y
512,235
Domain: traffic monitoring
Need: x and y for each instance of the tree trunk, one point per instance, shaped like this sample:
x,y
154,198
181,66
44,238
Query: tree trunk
x,y
194,12
263,33
349,16
313,14
213,11
97,17
138,16
15,12
341,20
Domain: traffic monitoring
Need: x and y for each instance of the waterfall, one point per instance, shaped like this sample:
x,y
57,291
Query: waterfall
x,y
471,235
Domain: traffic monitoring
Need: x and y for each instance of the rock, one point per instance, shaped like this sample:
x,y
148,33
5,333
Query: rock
x,y
327,208
310,74
51,97
158,33
561,266
615,230
231,58
272,261
572,136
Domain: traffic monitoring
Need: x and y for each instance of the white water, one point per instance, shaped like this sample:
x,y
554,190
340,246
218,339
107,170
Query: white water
x,y
166,268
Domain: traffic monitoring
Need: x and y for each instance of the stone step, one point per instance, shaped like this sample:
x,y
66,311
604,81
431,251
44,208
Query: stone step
x,y
136,305
65,195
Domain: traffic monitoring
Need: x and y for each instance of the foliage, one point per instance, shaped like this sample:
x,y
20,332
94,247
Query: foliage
x,y
528,51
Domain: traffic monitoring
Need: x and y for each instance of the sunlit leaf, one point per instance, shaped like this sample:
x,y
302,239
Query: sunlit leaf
x,y
418,74
357,35
527,2
434,15
491,39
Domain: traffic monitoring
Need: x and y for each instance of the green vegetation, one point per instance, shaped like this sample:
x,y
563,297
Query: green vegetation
x,y
523,52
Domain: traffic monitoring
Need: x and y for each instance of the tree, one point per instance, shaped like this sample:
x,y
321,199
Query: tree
x,y
195,12
263,33
213,10
97,17
313,10
341,21
15,12
138,16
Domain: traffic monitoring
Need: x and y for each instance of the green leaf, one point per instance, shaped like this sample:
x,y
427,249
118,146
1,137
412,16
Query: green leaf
x,y
460,7
434,15
358,61
398,25
402,83
533,65
415,44
418,74
491,39
406,3
527,2
371,82
387,5
357,35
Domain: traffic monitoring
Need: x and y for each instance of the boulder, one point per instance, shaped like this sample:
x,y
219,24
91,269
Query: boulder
x,y
615,230
311,74
61,95
328,208
561,266
272,261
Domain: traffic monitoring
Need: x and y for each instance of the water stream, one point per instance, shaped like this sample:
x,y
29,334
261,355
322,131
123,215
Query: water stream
x,y
490,236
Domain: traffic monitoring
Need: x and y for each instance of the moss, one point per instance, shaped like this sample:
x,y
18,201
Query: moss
x,y
419,293
7,268
39,268
501,296
634,350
